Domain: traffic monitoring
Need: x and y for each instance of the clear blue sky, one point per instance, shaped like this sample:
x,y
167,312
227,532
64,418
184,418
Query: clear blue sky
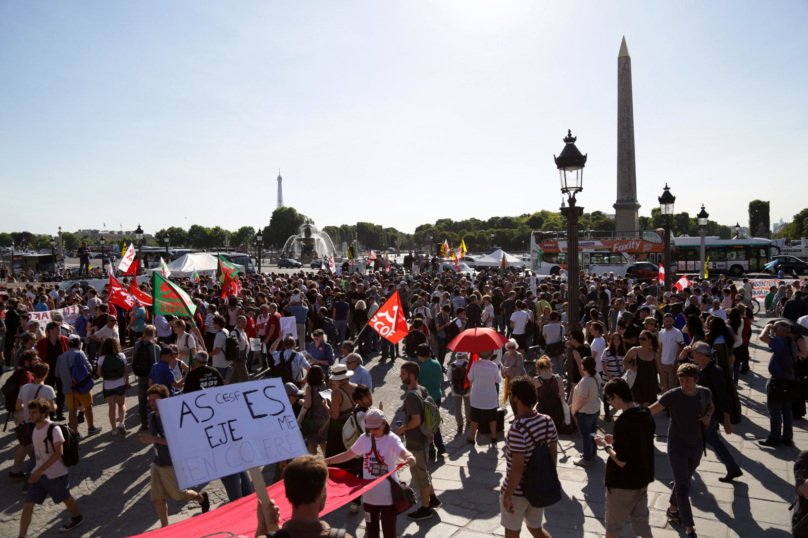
x,y
181,112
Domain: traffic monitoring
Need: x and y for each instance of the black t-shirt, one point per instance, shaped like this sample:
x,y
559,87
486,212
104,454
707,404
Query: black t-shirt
x,y
510,306
632,331
496,302
633,444
100,321
202,377
584,351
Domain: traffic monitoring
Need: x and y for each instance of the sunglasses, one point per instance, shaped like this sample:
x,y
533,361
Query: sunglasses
x,y
643,339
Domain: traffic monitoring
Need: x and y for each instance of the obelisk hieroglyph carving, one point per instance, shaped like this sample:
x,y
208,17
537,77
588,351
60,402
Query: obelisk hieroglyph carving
x,y
626,208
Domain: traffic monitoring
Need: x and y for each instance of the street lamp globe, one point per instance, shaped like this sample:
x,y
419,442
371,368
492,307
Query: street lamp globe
x,y
103,240
570,165
737,229
702,217
666,202
166,239
259,237
52,242
139,233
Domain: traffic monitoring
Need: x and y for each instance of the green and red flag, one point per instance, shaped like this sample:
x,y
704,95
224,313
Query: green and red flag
x,y
225,267
169,299
504,265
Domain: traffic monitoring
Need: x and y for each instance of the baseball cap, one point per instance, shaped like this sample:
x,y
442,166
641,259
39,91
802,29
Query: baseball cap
x,y
292,390
166,351
73,337
374,418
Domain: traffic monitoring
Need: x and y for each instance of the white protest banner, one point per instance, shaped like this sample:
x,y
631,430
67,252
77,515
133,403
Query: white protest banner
x,y
761,287
289,327
225,430
70,314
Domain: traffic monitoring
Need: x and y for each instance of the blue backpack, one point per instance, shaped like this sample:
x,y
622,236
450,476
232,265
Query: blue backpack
x,y
82,380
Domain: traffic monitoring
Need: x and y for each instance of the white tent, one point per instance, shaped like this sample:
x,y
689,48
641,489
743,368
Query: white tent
x,y
203,263
495,260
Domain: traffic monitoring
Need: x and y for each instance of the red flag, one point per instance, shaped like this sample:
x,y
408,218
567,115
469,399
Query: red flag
x,y
134,268
661,276
372,255
118,295
389,320
230,287
142,297
682,284
456,264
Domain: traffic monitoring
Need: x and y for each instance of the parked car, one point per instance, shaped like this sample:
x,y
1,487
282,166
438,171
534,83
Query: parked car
x,y
643,272
289,263
791,264
318,263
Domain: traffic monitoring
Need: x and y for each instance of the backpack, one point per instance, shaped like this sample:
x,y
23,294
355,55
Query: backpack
x,y
411,342
452,331
330,330
70,448
11,390
459,380
430,425
540,484
231,346
80,376
352,430
142,361
113,367
283,368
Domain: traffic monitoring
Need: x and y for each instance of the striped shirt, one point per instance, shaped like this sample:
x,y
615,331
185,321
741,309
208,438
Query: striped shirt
x,y
542,431
613,364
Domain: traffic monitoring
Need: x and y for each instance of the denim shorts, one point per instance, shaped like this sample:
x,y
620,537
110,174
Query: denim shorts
x,y
57,488
117,391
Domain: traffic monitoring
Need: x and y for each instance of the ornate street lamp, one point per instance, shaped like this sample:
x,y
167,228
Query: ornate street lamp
x,y
53,252
429,238
167,241
139,237
12,258
103,242
703,217
570,164
258,240
492,241
666,202
737,231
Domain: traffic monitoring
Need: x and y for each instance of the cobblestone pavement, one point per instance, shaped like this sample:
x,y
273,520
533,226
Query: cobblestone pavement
x,y
111,483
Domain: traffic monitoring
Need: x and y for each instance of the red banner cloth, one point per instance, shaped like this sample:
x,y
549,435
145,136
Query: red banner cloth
x,y
239,518
389,320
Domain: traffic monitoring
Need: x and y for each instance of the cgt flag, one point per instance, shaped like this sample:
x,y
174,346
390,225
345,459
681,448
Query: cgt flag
x,y
127,259
134,268
331,266
389,320
170,299
661,276
118,295
142,297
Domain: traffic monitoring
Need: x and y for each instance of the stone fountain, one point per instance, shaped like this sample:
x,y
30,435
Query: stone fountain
x,y
309,244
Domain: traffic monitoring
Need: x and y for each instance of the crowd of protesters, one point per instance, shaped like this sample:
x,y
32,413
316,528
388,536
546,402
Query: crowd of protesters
x,y
632,351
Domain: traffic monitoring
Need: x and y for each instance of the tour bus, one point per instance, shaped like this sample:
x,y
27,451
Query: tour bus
x,y
733,256
598,252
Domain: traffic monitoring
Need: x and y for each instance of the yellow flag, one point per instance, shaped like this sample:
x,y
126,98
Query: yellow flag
x,y
706,264
463,246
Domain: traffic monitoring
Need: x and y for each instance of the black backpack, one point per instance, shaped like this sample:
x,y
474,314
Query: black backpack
x,y
284,367
11,390
330,331
231,346
540,484
452,331
459,380
412,341
70,448
143,359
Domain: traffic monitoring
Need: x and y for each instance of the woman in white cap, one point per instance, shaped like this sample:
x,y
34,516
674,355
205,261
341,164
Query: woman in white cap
x,y
380,449
342,406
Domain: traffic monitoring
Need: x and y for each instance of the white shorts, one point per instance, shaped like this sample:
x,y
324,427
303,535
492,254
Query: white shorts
x,y
522,511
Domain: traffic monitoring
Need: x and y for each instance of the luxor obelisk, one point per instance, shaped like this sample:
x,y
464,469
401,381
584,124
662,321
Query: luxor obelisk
x,y
627,208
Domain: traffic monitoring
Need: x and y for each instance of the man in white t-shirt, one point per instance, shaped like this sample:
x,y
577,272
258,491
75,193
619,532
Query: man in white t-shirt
x,y
717,311
673,342
519,321
36,389
598,345
50,473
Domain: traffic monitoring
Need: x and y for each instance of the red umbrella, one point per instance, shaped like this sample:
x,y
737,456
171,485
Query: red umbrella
x,y
477,340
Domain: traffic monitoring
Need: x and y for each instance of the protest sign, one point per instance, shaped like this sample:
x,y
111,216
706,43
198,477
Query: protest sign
x,y
760,287
70,314
289,327
225,430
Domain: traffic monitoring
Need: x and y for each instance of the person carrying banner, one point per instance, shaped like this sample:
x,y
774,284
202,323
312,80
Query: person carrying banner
x,y
164,484
380,448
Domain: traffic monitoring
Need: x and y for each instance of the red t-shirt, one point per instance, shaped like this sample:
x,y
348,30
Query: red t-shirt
x,y
274,321
250,328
